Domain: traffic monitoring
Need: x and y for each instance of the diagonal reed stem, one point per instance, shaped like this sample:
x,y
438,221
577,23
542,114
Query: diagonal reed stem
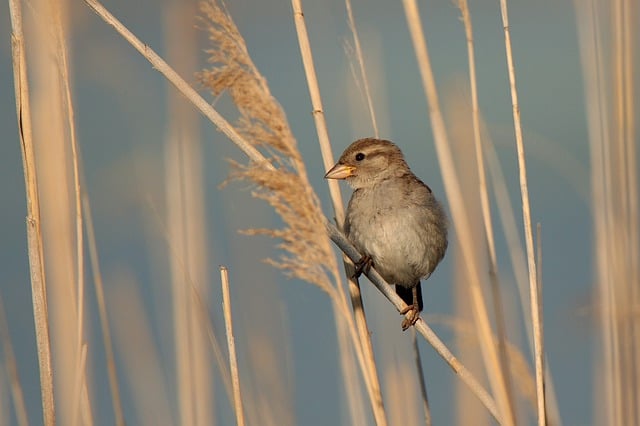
x,y
421,326
374,389
338,238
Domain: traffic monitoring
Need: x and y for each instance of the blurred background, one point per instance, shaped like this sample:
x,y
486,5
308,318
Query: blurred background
x,y
126,115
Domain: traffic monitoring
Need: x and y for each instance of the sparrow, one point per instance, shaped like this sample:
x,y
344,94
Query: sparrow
x,y
393,219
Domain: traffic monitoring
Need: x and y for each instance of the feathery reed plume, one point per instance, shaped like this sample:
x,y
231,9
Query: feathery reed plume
x,y
262,121
307,252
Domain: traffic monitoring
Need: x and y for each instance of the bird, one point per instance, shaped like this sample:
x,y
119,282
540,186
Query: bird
x,y
393,219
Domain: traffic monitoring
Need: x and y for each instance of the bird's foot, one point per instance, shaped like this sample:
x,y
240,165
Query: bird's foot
x,y
362,265
411,314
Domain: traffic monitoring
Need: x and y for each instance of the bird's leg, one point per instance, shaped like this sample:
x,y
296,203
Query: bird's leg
x,y
411,312
362,265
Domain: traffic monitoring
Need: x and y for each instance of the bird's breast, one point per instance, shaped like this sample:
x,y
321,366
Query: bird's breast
x,y
400,237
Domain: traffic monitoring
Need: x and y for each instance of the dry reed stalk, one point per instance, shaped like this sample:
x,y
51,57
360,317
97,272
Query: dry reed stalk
x,y
396,378
518,263
143,371
12,370
34,231
114,388
362,81
57,153
259,159
421,379
421,326
372,379
268,358
458,211
361,68
208,111
526,219
59,28
182,86
610,111
203,313
231,346
525,385
457,113
485,206
263,122
78,390
350,374
286,189
186,228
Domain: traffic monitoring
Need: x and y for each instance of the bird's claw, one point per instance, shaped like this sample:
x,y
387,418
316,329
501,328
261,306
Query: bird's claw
x,y
411,315
362,266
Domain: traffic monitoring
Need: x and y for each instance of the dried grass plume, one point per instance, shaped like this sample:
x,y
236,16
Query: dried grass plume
x,y
307,250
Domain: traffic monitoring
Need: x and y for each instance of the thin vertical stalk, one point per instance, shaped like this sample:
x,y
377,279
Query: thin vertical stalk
x,y
34,232
518,262
318,109
421,379
421,326
374,391
458,211
362,68
526,218
12,370
233,360
63,68
486,209
630,10
114,387
180,84
186,227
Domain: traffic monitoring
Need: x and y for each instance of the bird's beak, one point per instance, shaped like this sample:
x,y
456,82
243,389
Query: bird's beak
x,y
340,171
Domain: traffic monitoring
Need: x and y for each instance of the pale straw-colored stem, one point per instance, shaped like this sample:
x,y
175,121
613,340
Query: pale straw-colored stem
x,y
374,389
112,375
63,69
179,83
318,109
231,345
458,212
421,379
362,68
34,233
486,210
517,257
12,370
526,218
421,326
79,384
255,155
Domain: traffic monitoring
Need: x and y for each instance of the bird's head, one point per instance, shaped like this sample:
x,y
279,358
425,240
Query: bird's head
x,y
367,162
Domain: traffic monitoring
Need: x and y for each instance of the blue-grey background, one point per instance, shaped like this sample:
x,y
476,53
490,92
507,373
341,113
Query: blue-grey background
x,y
120,116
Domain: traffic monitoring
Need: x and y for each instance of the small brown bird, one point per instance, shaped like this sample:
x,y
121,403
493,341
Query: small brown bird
x,y
393,219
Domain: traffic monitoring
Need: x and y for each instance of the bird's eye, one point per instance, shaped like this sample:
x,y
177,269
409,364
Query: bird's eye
x,y
359,156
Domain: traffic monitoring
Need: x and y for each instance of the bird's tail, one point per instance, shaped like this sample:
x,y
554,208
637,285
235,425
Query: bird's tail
x,y
406,294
